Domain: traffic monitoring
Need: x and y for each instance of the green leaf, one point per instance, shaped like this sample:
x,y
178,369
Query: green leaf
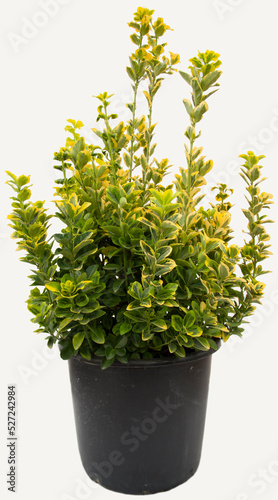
x,y
148,251
97,334
165,268
113,194
160,324
100,351
85,352
197,91
254,173
95,314
106,363
132,306
210,79
147,223
180,351
169,228
202,344
200,110
78,340
117,285
131,73
135,339
125,328
162,253
82,241
195,331
109,352
157,342
22,180
186,77
188,107
82,300
146,302
67,350
206,96
183,339
122,359
135,316
122,342
65,323
64,303
83,158
190,133
223,271
53,287
190,319
177,323
147,335
135,38
167,292
24,195
148,97
127,159
78,146
172,347
136,290
111,300
92,307
213,344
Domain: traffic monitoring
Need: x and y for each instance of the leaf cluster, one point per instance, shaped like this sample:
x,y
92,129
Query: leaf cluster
x,y
141,269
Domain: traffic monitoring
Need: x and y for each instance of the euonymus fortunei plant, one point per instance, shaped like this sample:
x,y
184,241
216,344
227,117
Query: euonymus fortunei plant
x,y
140,270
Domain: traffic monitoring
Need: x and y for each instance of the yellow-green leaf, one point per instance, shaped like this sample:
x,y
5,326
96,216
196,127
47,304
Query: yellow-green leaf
x,y
78,340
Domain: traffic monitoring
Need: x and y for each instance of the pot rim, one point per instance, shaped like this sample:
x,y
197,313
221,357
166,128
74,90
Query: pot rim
x,y
151,363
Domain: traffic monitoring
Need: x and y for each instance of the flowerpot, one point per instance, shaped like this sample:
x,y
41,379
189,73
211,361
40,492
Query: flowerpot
x,y
140,426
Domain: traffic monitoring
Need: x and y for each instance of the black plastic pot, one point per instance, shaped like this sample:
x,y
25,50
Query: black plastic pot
x,y
140,426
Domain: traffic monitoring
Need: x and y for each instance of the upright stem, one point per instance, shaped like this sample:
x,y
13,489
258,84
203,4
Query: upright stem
x,y
133,128
150,104
98,211
150,124
136,86
124,250
152,80
111,153
192,140
253,242
125,269
65,179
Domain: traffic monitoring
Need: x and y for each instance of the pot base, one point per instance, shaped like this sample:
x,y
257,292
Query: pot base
x,y
143,490
140,426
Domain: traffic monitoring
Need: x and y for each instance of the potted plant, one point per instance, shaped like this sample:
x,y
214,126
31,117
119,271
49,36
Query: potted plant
x,y
142,282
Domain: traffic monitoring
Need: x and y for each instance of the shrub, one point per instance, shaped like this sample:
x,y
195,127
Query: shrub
x,y
140,269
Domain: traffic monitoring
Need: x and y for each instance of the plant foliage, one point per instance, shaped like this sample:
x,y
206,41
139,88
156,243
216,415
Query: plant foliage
x,y
139,269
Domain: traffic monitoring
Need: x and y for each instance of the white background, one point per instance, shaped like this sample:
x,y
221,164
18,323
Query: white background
x,y
80,51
